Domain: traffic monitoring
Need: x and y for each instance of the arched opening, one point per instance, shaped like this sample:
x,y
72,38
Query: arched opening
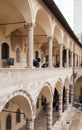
x,y
5,51
55,53
42,30
44,98
78,90
57,100
64,58
18,116
8,122
55,106
19,106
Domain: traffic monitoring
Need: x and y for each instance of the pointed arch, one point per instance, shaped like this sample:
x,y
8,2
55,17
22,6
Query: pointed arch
x,y
78,87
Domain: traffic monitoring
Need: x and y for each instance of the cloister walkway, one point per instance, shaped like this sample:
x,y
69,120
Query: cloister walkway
x,y
40,122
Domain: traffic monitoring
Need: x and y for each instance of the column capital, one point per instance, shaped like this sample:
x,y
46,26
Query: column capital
x,y
29,25
50,38
61,45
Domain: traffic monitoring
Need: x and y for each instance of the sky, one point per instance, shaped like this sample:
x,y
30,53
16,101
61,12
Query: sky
x,y
66,7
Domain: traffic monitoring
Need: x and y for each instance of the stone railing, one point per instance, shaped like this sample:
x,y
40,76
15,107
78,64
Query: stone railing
x,y
13,77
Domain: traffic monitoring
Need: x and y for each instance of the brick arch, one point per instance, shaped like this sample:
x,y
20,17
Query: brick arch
x,y
49,90
22,93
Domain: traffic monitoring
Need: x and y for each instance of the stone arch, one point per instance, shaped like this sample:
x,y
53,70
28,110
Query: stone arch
x,y
78,86
59,86
46,89
58,33
77,78
24,97
46,24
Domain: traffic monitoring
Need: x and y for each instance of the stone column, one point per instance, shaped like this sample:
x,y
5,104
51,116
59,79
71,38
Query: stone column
x,y
72,94
50,51
61,55
29,124
60,105
67,98
30,44
67,58
72,59
49,116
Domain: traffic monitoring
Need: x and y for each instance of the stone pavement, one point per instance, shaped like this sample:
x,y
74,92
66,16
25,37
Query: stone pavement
x,y
77,121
